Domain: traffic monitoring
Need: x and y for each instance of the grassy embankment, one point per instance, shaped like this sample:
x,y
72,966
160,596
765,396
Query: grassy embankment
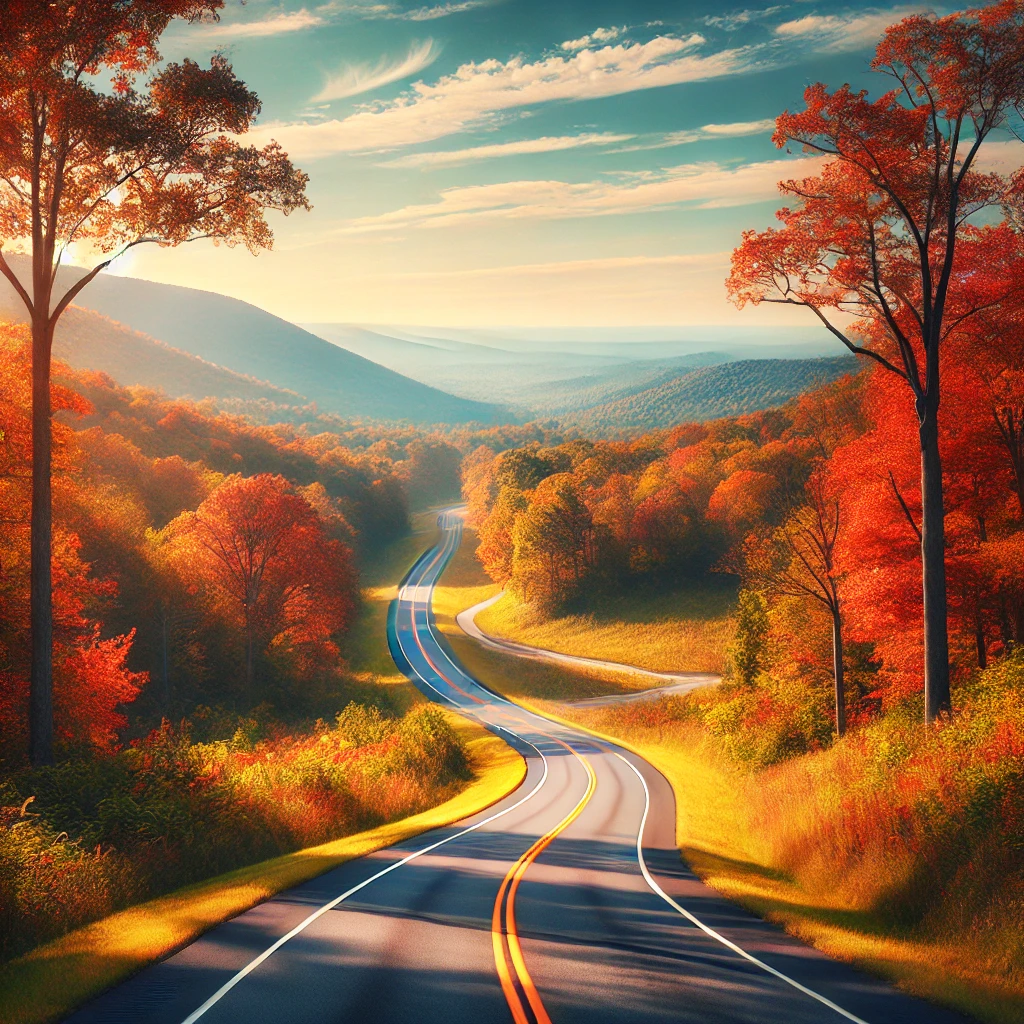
x,y
49,981
888,849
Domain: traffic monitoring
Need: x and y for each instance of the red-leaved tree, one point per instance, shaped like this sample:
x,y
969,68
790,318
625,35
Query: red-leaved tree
x,y
95,155
874,244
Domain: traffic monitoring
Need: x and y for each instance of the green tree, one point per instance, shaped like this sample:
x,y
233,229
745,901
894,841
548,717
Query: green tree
x,y
748,649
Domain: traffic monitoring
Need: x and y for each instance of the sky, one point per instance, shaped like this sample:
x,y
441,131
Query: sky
x,y
518,162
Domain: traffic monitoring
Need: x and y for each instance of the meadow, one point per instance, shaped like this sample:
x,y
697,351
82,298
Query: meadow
x,y
664,630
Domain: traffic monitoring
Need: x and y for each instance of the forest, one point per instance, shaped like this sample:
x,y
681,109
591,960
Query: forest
x,y
206,581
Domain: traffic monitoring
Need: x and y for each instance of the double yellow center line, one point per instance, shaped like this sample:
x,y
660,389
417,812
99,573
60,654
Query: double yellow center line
x,y
505,937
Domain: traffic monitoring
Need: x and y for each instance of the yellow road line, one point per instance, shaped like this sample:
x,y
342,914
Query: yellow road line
x,y
511,885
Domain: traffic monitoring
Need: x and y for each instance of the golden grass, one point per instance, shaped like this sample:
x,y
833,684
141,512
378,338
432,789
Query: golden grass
x,y
715,815
684,631
366,644
48,983
464,584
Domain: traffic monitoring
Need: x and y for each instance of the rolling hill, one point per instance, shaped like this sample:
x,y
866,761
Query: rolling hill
x,y
251,343
90,341
727,389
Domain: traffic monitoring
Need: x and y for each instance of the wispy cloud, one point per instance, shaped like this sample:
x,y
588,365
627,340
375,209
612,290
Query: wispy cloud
x,y
440,10
355,79
272,25
694,261
598,36
735,129
836,33
478,93
705,186
733,21
546,144
392,12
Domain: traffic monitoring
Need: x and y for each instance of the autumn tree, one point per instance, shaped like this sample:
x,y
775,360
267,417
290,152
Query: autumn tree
x,y
264,550
875,237
103,151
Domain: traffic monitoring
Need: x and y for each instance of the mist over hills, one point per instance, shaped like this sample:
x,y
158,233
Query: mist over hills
x,y
198,344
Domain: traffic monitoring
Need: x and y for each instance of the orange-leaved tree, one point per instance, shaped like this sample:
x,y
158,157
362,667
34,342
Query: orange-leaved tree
x,y
103,149
872,244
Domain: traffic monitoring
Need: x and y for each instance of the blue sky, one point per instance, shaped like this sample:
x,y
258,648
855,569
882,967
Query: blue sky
x,y
519,162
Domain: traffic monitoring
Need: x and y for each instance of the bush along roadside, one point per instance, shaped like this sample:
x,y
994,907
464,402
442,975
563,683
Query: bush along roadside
x,y
85,838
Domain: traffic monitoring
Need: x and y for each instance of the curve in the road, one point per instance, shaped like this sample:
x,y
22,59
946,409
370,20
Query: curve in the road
x,y
598,919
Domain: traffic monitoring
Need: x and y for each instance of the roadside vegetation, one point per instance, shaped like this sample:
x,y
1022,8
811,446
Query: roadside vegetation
x,y
79,840
197,701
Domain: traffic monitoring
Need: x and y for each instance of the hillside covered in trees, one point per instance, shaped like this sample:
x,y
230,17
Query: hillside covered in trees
x,y
721,389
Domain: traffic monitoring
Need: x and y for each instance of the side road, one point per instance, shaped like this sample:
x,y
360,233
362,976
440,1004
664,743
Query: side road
x,y
660,683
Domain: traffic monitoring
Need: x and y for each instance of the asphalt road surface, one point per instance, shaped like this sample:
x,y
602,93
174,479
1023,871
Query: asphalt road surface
x,y
566,902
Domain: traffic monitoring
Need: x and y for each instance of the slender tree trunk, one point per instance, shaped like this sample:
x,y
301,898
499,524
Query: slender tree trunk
x,y
838,670
41,596
979,633
933,565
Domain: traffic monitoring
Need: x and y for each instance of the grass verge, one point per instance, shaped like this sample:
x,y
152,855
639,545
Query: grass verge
x,y
718,839
464,584
673,631
48,983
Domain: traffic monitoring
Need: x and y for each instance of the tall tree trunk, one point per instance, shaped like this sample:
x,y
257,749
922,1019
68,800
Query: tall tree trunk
x,y
838,670
979,632
248,654
933,567
41,596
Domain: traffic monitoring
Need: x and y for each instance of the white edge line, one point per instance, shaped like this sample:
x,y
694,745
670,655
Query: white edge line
x,y
643,863
303,925
711,931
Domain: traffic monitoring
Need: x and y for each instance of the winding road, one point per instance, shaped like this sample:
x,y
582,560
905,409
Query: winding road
x,y
566,901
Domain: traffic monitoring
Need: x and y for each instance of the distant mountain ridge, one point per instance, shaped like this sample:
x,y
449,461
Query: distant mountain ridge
x,y
251,343
727,389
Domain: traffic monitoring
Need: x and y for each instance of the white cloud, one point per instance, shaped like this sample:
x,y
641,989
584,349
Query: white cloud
x,y
835,33
546,144
360,78
273,25
707,186
693,261
477,92
738,128
391,12
599,35
440,10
